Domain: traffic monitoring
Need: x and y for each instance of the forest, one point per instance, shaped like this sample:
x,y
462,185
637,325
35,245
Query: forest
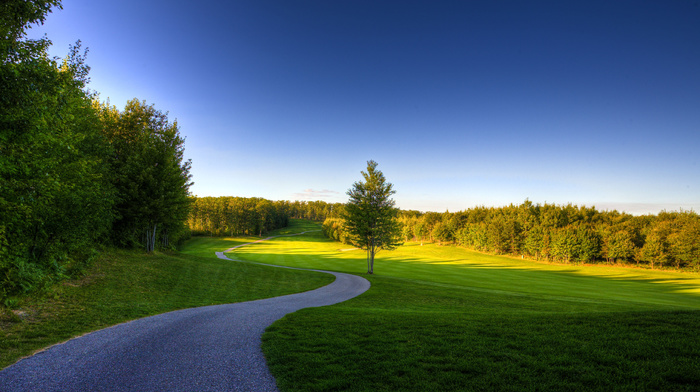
x,y
549,232
231,216
76,173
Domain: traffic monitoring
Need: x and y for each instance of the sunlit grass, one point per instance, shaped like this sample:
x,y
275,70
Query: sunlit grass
x,y
447,319
447,265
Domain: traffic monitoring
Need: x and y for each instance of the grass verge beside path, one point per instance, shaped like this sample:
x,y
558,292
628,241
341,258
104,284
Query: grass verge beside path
x,y
447,319
407,336
125,285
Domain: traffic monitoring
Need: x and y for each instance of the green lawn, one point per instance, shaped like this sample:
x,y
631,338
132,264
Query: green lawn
x,y
125,285
444,318
436,318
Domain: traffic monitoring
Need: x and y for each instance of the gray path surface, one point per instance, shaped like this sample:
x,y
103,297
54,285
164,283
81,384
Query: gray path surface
x,y
211,348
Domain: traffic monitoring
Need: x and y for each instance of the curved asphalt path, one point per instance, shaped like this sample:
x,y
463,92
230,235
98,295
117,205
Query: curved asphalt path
x,y
210,348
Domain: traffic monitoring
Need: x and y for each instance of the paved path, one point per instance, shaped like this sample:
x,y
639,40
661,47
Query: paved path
x,y
211,348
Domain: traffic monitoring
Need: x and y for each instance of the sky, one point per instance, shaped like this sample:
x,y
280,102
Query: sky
x,y
462,104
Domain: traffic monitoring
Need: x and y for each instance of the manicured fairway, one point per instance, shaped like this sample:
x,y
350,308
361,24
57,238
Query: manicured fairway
x,y
444,318
447,266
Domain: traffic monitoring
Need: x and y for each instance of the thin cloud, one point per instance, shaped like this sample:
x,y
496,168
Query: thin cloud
x,y
316,194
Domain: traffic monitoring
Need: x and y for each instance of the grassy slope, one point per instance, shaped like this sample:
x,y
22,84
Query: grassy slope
x,y
444,318
125,285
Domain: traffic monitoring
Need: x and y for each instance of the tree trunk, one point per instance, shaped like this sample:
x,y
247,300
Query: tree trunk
x,y
368,268
151,238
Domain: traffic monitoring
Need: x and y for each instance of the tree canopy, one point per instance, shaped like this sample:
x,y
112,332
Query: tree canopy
x,y
16,16
370,214
55,198
149,173
75,174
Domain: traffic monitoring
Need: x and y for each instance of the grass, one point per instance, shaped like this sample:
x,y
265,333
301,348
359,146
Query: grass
x,y
435,319
447,319
125,285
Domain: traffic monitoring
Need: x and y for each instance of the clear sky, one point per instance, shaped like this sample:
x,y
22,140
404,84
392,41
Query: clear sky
x,y
461,103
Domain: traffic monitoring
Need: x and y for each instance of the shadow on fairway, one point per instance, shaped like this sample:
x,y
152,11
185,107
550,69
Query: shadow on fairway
x,y
674,291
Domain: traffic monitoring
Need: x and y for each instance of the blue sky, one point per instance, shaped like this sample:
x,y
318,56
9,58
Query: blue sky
x,y
462,104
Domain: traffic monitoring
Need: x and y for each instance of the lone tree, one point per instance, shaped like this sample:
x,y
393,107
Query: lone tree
x,y
370,215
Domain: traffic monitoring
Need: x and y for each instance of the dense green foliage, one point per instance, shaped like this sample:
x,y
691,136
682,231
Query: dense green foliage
x,y
558,233
444,318
123,285
334,228
230,216
16,16
149,174
370,215
314,210
54,197
66,178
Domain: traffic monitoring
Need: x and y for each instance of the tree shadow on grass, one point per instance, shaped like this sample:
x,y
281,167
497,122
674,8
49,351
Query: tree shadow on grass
x,y
570,284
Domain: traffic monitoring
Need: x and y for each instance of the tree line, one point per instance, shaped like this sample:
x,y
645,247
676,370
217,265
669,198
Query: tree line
x,y
231,216
75,172
314,210
566,233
